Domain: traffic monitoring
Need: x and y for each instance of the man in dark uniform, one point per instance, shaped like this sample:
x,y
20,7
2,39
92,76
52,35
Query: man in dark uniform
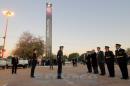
x,y
101,61
88,61
109,57
121,57
73,61
14,64
59,62
34,63
94,62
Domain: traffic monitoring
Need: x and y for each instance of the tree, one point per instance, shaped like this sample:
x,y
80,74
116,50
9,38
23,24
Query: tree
x,y
27,42
73,56
65,57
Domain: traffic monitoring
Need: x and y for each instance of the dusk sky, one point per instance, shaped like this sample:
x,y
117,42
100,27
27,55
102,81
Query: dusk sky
x,y
79,25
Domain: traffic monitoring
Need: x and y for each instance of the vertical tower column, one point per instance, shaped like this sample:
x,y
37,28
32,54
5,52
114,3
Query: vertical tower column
x,y
49,32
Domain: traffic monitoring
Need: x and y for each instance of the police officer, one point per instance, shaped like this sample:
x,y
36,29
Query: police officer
x,y
34,62
121,57
59,62
73,61
109,57
94,62
88,61
101,61
14,64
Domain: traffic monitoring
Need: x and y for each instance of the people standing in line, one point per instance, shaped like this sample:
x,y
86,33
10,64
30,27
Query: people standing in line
x,y
121,57
59,62
101,61
109,58
94,62
88,61
14,64
34,62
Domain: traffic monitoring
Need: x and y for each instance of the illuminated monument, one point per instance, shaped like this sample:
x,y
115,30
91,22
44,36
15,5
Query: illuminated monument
x,y
49,32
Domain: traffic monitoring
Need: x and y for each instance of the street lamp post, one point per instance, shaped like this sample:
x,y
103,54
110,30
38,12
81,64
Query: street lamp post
x,y
7,14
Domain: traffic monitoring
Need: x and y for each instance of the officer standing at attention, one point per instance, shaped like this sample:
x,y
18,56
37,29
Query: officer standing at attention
x,y
109,57
34,62
121,57
14,64
94,62
101,61
88,61
59,62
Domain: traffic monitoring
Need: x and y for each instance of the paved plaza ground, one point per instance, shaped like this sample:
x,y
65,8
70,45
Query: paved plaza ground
x,y
77,76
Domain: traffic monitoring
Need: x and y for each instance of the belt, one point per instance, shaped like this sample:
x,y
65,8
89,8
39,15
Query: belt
x,y
119,56
108,57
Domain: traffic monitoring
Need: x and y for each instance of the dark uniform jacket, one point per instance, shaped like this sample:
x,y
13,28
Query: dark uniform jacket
x,y
14,61
94,59
100,57
88,58
34,59
109,56
121,55
59,56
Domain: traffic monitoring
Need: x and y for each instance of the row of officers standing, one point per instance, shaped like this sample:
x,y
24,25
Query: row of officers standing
x,y
95,60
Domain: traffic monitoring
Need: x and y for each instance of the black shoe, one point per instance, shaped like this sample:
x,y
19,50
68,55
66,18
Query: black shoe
x,y
32,76
96,73
102,74
121,78
111,76
59,77
125,78
89,72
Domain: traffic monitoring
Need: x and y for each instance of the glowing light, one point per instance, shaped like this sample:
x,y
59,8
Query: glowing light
x,y
8,13
49,8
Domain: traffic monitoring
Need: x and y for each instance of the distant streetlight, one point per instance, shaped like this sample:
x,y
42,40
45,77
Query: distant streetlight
x,y
7,14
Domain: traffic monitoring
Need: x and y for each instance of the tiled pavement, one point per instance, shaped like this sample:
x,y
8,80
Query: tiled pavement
x,y
71,77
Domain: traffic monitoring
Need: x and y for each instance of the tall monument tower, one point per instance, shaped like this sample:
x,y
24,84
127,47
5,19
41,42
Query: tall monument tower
x,y
49,32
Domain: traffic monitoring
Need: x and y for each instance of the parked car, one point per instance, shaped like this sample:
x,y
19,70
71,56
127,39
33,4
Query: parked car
x,y
9,63
22,63
2,63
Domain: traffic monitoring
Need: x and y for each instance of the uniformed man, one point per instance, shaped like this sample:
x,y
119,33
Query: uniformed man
x,y
34,62
59,62
109,57
73,61
101,61
88,61
14,64
94,62
121,57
